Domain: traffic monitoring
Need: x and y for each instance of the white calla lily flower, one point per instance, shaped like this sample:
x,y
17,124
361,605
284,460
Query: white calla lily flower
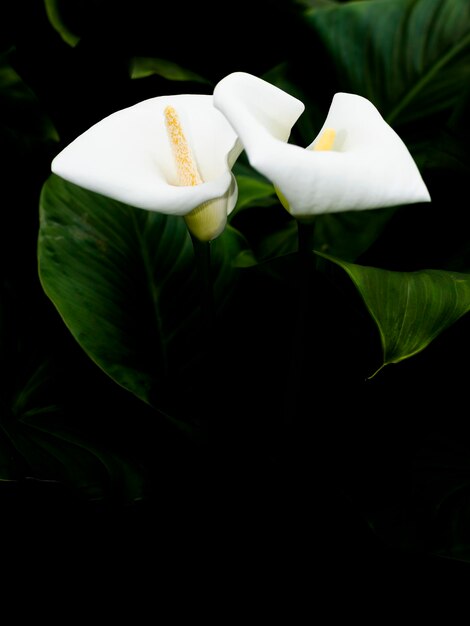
x,y
356,162
170,154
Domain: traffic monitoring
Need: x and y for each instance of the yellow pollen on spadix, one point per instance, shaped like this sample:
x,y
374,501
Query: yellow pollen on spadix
x,y
325,141
186,168
206,221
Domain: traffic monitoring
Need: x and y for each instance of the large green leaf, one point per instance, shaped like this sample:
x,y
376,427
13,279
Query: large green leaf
x,y
43,436
40,445
124,282
410,308
409,57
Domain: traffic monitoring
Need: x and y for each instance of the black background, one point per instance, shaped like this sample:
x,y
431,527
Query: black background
x,y
243,512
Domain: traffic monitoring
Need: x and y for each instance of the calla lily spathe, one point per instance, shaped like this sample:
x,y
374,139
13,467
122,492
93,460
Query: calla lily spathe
x,y
129,157
356,162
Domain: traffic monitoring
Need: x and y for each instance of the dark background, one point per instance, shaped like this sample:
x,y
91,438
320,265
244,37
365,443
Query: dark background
x,y
349,503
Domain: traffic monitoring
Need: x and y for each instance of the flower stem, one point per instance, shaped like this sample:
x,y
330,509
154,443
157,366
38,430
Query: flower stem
x,y
205,383
305,270
202,255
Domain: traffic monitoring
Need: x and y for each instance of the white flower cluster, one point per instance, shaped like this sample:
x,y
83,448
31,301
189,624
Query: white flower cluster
x,y
174,155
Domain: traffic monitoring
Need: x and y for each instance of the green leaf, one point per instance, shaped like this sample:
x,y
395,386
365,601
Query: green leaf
x,y
41,448
254,192
124,282
279,243
23,123
410,308
141,67
409,57
38,441
349,234
55,17
346,235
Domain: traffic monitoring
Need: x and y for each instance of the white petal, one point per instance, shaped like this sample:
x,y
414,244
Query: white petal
x,y
128,157
369,166
257,110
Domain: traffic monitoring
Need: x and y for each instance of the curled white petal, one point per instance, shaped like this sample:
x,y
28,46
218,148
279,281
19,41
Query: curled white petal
x,y
368,167
127,156
258,111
